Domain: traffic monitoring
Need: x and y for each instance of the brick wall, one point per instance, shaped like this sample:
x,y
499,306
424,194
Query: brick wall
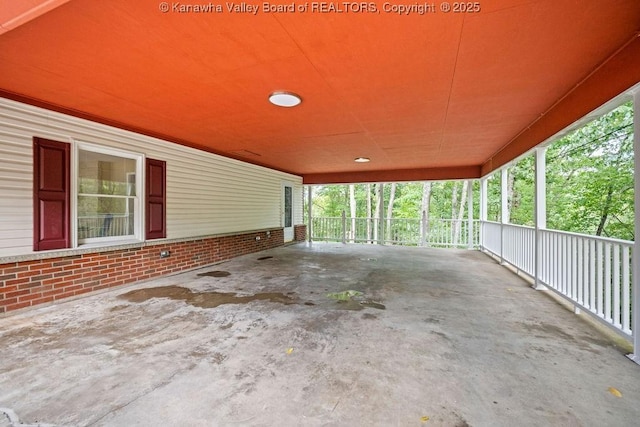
x,y
300,232
28,283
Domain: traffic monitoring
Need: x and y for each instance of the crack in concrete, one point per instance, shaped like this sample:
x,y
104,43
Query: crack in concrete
x,y
141,395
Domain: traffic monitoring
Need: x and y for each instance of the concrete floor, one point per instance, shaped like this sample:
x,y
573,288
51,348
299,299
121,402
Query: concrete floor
x,y
461,341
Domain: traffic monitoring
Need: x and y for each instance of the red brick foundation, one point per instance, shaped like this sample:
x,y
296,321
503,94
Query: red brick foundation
x,y
28,283
300,232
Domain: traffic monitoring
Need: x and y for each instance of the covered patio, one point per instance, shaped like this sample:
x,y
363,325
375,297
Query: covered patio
x,y
437,337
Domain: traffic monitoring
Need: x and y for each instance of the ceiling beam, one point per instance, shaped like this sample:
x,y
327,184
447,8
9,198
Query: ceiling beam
x,y
15,13
398,175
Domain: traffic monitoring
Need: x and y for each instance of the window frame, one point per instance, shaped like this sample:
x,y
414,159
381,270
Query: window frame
x,y
139,214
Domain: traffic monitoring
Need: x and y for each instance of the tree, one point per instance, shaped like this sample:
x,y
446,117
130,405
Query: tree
x,y
590,177
392,197
379,195
352,210
457,218
425,204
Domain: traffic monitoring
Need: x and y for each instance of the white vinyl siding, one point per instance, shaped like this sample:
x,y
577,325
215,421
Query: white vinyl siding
x,y
207,194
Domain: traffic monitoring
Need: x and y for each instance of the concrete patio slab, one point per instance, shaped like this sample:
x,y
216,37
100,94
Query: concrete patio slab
x,y
437,338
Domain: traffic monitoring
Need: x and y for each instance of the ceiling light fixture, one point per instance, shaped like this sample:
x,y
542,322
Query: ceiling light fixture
x,y
285,99
362,159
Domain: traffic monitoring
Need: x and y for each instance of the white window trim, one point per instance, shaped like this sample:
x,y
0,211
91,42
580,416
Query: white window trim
x,y
139,205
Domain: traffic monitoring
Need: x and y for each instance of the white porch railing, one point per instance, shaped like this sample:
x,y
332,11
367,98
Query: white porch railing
x,y
593,273
104,226
443,233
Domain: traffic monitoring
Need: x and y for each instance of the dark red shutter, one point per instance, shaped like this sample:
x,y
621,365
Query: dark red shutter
x,y
156,199
51,195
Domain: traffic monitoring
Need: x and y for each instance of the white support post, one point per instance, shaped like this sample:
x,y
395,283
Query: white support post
x,y
344,227
381,219
484,204
504,176
470,214
309,210
540,211
635,292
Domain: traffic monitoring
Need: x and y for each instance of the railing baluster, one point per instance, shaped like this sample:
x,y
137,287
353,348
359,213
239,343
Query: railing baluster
x,y
574,268
616,286
593,275
599,278
555,261
607,281
579,273
626,289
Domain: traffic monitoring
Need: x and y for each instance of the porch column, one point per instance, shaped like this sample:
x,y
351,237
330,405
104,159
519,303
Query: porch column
x,y
381,218
309,205
635,292
540,211
484,204
470,214
504,207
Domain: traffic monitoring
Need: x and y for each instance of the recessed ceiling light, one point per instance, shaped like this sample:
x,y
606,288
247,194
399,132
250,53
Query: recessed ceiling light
x,y
362,160
285,99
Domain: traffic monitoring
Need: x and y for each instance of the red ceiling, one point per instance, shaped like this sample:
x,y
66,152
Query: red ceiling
x,y
440,95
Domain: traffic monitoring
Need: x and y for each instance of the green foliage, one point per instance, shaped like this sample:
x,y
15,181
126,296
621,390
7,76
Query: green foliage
x,y
590,187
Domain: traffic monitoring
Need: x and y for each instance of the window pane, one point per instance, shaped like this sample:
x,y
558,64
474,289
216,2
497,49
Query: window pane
x,y
288,212
105,216
105,174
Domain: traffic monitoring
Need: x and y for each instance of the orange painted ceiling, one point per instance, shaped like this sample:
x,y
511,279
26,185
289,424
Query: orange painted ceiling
x,y
438,95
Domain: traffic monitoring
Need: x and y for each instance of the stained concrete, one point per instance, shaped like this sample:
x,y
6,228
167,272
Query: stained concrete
x,y
461,341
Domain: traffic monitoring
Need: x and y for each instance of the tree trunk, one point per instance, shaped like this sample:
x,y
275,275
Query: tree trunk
x,y
454,199
424,212
605,211
460,213
392,198
511,197
378,213
454,212
352,209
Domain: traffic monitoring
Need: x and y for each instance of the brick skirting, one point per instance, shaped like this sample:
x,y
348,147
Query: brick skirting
x,y
300,232
33,282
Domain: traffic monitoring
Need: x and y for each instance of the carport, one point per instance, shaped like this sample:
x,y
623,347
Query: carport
x,y
127,328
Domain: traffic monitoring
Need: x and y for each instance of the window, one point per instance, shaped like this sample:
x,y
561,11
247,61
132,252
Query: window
x,y
99,200
108,202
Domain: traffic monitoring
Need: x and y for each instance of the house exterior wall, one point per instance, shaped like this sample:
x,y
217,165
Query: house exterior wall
x,y
210,199
40,281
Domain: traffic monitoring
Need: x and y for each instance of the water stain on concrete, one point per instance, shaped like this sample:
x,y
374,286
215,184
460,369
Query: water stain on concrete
x,y
212,299
215,273
209,299
547,329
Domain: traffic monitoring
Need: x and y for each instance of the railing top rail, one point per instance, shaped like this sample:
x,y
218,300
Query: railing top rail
x,y
587,236
393,219
569,233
